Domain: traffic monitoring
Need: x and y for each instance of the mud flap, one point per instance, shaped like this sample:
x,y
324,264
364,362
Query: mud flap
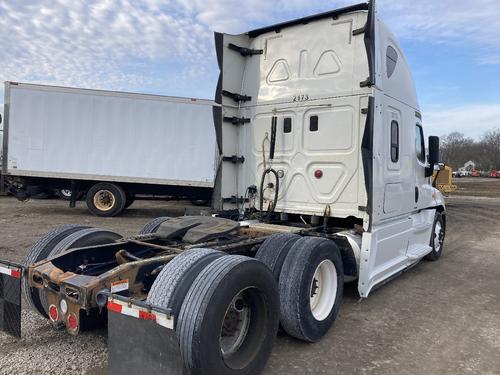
x,y
141,341
10,298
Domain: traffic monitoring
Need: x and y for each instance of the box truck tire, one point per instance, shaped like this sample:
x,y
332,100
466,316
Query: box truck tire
x,y
129,199
274,250
229,318
437,238
106,199
311,286
172,284
40,251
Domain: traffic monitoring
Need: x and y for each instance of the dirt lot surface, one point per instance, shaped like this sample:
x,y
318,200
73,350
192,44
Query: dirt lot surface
x,y
477,187
437,318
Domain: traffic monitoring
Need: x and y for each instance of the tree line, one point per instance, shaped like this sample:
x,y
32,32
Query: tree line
x,y
456,150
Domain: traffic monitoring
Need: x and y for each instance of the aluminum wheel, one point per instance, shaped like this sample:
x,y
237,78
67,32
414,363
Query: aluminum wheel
x,y
438,237
323,290
104,200
234,328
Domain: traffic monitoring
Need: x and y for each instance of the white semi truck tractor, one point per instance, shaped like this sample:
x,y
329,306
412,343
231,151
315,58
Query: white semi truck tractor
x,y
322,179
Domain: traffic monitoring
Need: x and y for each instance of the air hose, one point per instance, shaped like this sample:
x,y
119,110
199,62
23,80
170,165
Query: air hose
x,y
261,190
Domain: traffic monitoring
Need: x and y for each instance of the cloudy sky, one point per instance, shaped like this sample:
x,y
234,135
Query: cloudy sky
x,y
166,47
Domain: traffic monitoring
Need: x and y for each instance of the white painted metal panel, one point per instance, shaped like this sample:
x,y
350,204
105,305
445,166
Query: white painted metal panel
x,y
87,134
304,71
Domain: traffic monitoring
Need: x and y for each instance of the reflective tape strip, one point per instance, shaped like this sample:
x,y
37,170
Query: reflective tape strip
x,y
134,311
13,272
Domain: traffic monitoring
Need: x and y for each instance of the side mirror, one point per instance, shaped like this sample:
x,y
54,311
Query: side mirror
x,y
433,156
0,118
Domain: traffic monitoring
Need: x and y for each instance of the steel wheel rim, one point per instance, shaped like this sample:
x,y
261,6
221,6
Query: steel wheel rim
x,y
104,200
323,290
437,236
236,322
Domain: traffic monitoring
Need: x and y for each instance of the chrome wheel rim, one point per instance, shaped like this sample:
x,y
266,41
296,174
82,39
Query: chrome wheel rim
x,y
438,241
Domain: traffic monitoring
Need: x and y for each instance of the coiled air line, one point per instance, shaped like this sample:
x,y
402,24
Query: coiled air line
x,y
270,170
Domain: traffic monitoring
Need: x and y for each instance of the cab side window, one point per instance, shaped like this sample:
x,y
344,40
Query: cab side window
x,y
419,143
394,141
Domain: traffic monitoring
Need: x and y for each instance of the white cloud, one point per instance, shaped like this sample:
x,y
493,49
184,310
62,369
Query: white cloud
x,y
476,21
167,45
472,120
99,43
103,42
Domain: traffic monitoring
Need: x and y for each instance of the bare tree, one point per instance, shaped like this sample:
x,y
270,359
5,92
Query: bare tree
x,y
456,150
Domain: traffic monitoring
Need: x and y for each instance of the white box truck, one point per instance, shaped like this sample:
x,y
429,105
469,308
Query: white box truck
x,y
322,169
108,146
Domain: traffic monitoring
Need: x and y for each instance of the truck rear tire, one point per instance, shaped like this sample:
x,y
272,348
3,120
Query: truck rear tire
x,y
106,200
437,238
274,250
40,251
153,225
229,318
311,286
172,284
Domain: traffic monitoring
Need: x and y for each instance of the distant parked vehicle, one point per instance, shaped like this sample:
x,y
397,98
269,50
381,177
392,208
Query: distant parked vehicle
x,y
461,173
495,174
107,146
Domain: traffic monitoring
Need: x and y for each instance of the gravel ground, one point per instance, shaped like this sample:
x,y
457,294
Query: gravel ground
x,y
437,318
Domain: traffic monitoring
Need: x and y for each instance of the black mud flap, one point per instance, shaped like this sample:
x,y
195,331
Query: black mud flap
x,y
141,340
10,298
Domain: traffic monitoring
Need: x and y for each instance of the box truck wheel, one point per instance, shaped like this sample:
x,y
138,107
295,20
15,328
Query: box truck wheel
x,y
129,199
40,251
274,250
81,238
106,199
437,238
229,318
172,284
311,286
153,225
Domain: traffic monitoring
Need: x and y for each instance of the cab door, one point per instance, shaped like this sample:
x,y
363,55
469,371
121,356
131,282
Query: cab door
x,y
420,164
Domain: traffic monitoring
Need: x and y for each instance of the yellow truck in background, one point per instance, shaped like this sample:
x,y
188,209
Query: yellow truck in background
x,y
444,180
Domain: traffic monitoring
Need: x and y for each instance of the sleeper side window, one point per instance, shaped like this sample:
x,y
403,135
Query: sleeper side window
x,y
419,143
313,123
287,125
394,141
391,60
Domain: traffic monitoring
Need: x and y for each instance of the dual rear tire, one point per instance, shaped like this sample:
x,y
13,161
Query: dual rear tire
x,y
310,274
226,309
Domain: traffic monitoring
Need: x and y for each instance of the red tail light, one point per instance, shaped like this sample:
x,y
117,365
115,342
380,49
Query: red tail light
x,y
72,322
53,313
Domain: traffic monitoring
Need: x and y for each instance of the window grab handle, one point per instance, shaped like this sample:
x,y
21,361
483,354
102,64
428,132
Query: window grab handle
x,y
274,121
